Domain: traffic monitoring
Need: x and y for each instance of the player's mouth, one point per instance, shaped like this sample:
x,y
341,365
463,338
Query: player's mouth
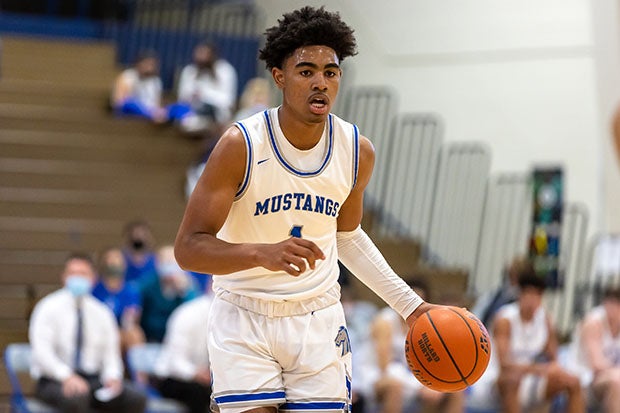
x,y
319,104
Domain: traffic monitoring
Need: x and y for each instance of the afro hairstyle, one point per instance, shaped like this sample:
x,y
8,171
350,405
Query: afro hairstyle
x,y
307,26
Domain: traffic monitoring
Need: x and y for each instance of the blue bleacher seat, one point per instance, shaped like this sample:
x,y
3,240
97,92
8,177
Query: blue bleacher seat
x,y
17,358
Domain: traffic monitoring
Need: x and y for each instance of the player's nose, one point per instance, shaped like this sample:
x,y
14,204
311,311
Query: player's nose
x,y
320,82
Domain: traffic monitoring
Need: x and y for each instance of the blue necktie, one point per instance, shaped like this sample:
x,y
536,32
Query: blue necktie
x,y
78,339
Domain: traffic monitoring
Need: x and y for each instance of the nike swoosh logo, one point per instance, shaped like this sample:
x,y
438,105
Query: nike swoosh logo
x,y
262,160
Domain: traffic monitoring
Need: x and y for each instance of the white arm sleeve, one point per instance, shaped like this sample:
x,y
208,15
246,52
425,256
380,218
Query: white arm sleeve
x,y
360,255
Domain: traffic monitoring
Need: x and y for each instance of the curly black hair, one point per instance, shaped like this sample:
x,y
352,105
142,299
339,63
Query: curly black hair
x,y
307,26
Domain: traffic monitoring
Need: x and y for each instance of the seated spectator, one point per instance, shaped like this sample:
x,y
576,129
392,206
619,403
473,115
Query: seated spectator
x,y
207,91
526,346
487,305
138,250
182,368
393,387
162,293
137,90
122,298
358,314
75,348
594,354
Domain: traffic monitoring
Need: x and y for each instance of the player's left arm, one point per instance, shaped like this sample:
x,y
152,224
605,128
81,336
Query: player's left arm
x,y
361,256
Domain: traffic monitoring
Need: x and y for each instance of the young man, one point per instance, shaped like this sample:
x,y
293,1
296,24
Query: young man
x,y
279,202
526,347
595,353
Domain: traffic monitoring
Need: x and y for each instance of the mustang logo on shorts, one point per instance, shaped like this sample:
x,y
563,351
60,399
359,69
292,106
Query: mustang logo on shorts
x,y
342,341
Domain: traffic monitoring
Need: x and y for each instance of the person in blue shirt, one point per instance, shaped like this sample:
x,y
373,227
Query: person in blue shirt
x,y
162,292
121,297
138,250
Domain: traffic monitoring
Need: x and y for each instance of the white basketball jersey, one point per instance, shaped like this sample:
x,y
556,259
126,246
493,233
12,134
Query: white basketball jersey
x,y
281,197
527,339
610,346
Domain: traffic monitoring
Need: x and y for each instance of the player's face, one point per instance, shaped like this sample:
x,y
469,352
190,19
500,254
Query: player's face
x,y
530,299
612,307
309,80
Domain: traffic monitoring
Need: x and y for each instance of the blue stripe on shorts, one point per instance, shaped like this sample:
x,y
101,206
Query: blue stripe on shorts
x,y
246,397
318,406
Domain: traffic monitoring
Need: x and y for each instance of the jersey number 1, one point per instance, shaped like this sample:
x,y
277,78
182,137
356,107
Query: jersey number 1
x,y
296,231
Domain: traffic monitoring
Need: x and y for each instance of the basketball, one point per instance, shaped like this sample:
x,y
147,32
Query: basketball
x,y
448,349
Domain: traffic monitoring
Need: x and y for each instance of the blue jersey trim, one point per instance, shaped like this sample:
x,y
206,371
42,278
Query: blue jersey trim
x,y
356,153
232,398
290,168
314,406
248,166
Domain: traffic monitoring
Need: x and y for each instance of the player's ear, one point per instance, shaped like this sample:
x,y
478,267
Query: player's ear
x,y
278,77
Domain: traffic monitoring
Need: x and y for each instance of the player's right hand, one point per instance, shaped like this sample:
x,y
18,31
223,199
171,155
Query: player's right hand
x,y
293,255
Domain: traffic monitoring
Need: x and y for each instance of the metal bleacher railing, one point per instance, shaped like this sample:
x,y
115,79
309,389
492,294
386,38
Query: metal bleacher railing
x,y
457,204
372,109
407,190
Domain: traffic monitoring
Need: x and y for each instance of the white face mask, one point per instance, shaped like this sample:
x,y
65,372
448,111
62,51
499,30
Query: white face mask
x,y
78,285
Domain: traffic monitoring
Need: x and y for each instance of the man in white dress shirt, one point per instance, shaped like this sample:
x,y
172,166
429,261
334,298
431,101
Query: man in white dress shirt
x,y
75,348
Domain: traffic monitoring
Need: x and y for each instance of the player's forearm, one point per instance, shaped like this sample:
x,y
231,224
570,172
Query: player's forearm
x,y
205,253
363,259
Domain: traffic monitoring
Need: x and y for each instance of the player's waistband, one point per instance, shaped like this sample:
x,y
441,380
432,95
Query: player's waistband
x,y
281,308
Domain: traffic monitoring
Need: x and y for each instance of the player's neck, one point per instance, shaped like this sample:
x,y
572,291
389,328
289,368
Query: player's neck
x,y
302,135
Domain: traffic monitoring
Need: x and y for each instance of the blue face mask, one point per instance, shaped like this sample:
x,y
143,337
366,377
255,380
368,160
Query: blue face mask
x,y
78,285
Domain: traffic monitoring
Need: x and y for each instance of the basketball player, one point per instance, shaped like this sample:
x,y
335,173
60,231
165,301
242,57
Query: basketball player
x,y
279,202
595,353
526,346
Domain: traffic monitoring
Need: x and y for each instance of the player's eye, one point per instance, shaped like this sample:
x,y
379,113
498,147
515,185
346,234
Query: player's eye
x,y
305,73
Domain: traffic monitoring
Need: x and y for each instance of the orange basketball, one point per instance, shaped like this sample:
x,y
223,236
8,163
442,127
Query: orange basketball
x,y
448,349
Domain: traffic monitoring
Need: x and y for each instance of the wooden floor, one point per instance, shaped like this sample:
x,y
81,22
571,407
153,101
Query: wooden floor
x,y
71,174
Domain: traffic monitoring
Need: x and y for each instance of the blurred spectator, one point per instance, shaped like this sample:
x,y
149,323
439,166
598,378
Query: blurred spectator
x,y
487,305
162,293
137,90
208,89
256,97
122,298
393,386
138,250
526,346
358,314
594,354
75,348
183,364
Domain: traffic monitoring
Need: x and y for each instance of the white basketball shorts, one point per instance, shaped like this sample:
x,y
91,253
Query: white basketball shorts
x,y
299,362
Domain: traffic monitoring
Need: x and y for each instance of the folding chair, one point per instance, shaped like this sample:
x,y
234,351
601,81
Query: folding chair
x,y
140,362
17,358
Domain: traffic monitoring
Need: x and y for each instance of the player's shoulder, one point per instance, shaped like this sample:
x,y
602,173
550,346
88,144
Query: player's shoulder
x,y
594,319
508,311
